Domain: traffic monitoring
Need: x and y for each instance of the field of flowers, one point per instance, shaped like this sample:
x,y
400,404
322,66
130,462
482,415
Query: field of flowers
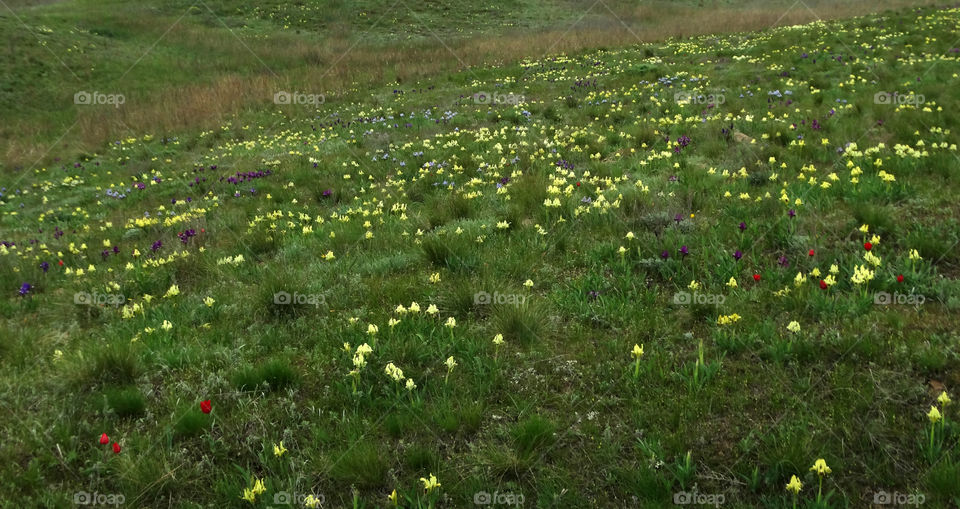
x,y
719,270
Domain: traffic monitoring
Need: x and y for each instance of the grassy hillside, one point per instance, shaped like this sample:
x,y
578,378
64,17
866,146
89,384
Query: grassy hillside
x,y
454,278
185,66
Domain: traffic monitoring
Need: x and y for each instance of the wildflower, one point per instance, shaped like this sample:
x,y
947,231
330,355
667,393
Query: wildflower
x,y
498,340
312,501
435,277
172,292
431,483
209,301
411,385
944,399
795,485
104,439
432,309
737,255
25,289
732,283
450,323
279,450
116,448
934,415
392,497
528,283
793,327
637,353
820,467
728,319
392,323
694,285
451,363
756,277
414,307
915,255
868,246
166,325
206,406
372,329
629,236
400,310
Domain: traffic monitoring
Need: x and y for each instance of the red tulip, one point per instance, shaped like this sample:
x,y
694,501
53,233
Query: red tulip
x,y
756,277
116,448
61,263
900,278
205,406
868,246
811,252
823,285
104,439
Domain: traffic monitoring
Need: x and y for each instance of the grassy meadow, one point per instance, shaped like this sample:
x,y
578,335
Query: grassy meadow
x,y
433,255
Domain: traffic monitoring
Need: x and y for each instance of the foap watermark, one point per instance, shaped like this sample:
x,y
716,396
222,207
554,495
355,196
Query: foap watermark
x,y
897,298
95,98
497,498
696,498
513,299
682,298
87,498
299,98
698,98
298,499
896,98
495,98
98,299
283,298
884,497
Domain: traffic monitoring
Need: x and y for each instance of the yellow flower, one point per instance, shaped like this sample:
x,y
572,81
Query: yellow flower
x,y
637,351
372,329
312,501
392,497
450,323
411,385
209,301
431,483
259,488
820,467
249,495
172,292
793,326
432,309
944,399
528,283
498,340
795,485
629,236
414,307
279,450
166,325
451,363
435,277
732,283
934,415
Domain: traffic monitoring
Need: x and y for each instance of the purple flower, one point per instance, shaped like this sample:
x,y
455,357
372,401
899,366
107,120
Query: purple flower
x,y
678,218
743,226
783,261
156,246
792,213
737,255
593,294
664,255
25,289
684,251
45,266
327,193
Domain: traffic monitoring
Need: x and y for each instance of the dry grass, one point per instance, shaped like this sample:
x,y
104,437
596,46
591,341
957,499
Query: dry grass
x,y
341,65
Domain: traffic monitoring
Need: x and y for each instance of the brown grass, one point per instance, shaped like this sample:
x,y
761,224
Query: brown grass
x,y
339,66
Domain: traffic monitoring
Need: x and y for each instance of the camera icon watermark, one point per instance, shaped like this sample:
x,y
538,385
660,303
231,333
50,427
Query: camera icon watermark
x,y
483,298
299,499
705,99
496,98
87,498
84,98
695,498
897,298
283,298
897,99
683,298
98,299
884,497
298,98
497,498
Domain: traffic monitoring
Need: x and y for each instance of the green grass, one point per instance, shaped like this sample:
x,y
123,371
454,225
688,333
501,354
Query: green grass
x,y
558,223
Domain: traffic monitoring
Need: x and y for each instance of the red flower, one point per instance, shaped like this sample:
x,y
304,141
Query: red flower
x,y
823,285
756,277
61,263
116,448
900,278
104,439
205,406
868,246
811,252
